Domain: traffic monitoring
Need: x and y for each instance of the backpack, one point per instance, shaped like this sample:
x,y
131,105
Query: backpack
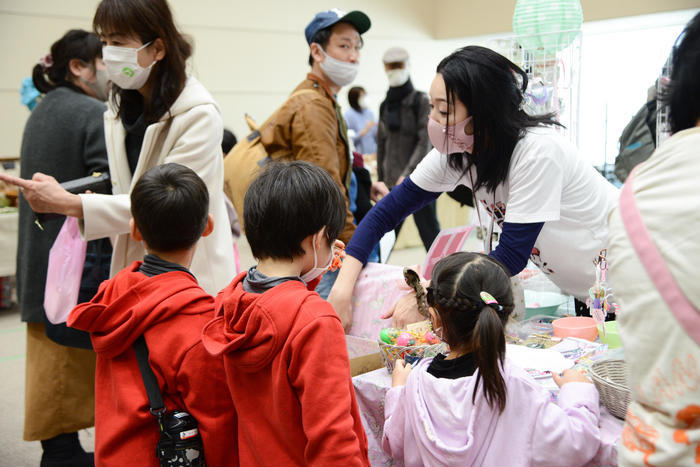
x,y
638,140
243,163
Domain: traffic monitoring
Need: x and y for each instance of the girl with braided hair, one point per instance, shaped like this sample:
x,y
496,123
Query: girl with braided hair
x,y
473,406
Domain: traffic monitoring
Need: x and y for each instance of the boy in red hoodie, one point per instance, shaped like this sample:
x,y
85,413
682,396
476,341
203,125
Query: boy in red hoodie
x,y
283,346
158,298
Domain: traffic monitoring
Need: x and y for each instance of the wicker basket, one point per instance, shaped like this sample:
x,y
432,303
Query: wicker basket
x,y
390,353
611,378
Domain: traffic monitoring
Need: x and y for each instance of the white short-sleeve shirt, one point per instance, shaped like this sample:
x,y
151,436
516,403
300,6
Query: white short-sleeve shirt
x,y
547,182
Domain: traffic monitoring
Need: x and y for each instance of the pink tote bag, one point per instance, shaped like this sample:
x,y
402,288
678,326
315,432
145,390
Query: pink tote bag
x,y
65,270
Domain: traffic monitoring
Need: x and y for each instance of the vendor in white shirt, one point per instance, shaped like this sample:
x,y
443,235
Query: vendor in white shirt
x,y
550,204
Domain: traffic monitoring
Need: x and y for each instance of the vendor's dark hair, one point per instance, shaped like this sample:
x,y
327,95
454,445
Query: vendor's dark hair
x,y
148,20
467,322
55,71
682,95
491,87
288,202
170,206
354,97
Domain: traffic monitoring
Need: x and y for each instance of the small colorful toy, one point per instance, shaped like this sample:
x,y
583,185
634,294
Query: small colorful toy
x,y
599,294
406,340
431,338
389,335
338,254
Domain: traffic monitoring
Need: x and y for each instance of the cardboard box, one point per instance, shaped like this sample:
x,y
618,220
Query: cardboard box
x,y
364,355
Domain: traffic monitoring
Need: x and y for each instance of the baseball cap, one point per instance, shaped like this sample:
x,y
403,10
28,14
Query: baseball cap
x,y
395,54
328,18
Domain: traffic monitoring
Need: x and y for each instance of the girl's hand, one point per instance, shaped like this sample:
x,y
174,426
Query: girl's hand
x,y
400,374
571,376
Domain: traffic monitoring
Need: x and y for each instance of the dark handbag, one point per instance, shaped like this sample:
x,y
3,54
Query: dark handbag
x,y
180,442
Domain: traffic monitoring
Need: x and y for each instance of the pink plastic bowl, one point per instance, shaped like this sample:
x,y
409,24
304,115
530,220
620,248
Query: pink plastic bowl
x,y
575,326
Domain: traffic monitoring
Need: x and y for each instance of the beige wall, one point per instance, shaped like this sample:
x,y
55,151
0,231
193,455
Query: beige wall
x,y
462,18
250,55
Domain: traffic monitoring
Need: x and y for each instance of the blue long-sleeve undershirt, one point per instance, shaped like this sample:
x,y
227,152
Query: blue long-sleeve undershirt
x,y
513,249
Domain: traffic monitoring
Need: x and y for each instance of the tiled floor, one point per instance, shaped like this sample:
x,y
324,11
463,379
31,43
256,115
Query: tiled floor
x,y
17,453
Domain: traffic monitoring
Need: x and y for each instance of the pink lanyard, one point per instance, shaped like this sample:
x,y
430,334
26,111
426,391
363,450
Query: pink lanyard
x,y
687,315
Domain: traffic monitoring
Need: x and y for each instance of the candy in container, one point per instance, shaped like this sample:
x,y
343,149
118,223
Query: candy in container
x,y
405,339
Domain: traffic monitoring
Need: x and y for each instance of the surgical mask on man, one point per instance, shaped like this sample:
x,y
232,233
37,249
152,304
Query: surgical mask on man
x,y
397,77
450,139
341,73
315,271
123,66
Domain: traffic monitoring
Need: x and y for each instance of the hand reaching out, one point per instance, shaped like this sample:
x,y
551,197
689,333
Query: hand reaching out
x,y
377,191
571,376
44,194
400,374
405,311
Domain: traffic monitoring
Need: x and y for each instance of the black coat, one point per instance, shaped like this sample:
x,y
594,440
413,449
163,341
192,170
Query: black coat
x,y
63,137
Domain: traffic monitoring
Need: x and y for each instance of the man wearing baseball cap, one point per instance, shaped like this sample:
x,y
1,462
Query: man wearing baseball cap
x,y
310,125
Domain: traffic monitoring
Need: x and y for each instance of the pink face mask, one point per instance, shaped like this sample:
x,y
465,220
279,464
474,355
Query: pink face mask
x,y
450,139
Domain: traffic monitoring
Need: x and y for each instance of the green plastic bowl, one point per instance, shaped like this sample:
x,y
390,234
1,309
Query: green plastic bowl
x,y
542,303
611,337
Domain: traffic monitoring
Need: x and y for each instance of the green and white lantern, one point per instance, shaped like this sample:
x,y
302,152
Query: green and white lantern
x,y
547,25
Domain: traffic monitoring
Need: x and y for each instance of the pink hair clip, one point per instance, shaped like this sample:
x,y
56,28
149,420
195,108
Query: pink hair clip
x,y
489,300
46,61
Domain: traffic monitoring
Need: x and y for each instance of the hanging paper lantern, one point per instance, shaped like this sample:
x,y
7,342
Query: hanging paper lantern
x,y
549,25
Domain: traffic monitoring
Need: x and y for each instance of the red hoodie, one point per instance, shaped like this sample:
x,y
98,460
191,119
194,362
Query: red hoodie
x,y
288,372
170,310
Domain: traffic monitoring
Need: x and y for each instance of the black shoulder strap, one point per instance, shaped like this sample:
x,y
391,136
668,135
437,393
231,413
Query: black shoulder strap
x,y
155,398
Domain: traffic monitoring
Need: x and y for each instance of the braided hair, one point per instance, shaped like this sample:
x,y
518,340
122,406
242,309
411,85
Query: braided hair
x,y
468,322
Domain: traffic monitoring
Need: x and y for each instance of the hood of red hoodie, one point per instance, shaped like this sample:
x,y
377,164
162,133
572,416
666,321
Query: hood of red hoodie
x,y
251,328
131,302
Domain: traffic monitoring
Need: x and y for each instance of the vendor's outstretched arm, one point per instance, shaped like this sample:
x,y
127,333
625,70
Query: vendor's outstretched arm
x,y
515,245
402,201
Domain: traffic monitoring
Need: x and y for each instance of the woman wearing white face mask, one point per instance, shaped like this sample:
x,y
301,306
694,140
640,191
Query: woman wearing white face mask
x,y
551,204
157,114
63,137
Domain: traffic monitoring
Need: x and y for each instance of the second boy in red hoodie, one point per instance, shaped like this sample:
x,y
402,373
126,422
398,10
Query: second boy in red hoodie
x,y
283,346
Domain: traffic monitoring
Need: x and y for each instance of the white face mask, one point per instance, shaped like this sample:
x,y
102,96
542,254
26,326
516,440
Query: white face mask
x,y
123,66
314,272
362,102
101,84
341,73
397,77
